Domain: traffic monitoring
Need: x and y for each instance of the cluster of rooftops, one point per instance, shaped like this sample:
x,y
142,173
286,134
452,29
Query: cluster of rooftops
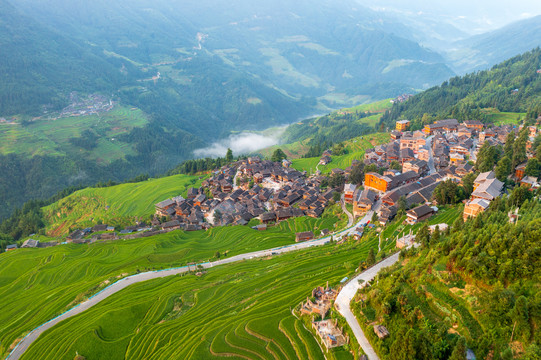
x,y
273,191
245,190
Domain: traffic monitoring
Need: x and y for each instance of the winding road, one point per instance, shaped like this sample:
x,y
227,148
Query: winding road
x,y
347,293
25,343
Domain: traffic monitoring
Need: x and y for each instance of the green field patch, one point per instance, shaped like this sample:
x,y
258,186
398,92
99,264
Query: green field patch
x,y
120,204
504,118
355,149
52,136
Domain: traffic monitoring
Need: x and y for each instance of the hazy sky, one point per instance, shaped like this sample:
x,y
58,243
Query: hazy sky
x,y
470,15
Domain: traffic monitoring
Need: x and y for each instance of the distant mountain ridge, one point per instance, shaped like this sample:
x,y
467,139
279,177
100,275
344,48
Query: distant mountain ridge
x,y
40,66
482,51
296,47
511,86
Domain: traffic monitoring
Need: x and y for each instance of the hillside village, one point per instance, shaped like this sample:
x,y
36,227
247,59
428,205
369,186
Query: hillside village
x,y
409,169
272,192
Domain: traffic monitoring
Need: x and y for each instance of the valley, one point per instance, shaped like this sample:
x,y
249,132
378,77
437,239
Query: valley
x,y
167,192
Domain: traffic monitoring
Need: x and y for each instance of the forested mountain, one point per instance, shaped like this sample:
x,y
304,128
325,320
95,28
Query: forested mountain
x,y
302,48
474,286
482,51
41,67
512,86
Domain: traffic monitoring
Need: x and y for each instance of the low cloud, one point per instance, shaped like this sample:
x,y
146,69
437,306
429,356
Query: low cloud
x,y
242,143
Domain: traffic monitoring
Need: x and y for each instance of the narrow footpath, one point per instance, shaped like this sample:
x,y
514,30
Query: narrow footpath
x,y
344,208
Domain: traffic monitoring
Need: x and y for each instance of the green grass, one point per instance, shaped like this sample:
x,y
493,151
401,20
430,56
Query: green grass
x,y
378,106
38,284
51,137
355,151
504,118
241,310
120,204
293,151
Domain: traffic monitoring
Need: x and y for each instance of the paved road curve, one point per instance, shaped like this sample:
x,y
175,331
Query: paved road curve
x,y
133,279
348,292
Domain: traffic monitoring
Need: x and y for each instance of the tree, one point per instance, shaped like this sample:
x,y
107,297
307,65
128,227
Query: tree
x,y
375,218
467,183
371,168
278,155
371,258
423,236
402,204
357,174
519,195
448,192
395,165
508,148
217,255
532,168
520,315
229,155
503,168
459,352
519,148
487,157
337,180
436,236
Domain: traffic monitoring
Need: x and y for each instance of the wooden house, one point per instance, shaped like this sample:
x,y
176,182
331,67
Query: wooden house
x,y
519,171
349,190
304,236
376,181
363,201
418,214
402,125
441,126
475,207
473,124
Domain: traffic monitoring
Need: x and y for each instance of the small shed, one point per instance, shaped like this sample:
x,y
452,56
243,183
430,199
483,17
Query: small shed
x,y
381,331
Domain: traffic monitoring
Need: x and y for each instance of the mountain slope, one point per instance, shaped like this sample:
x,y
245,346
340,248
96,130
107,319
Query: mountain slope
x,y
512,86
482,51
478,282
302,48
41,67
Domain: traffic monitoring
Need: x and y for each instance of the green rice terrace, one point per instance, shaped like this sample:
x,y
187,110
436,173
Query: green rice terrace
x,y
242,310
299,143
54,137
120,204
38,284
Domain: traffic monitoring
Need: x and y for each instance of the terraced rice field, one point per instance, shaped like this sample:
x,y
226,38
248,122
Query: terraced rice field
x,y
355,147
242,310
38,284
120,204
378,106
51,137
504,118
